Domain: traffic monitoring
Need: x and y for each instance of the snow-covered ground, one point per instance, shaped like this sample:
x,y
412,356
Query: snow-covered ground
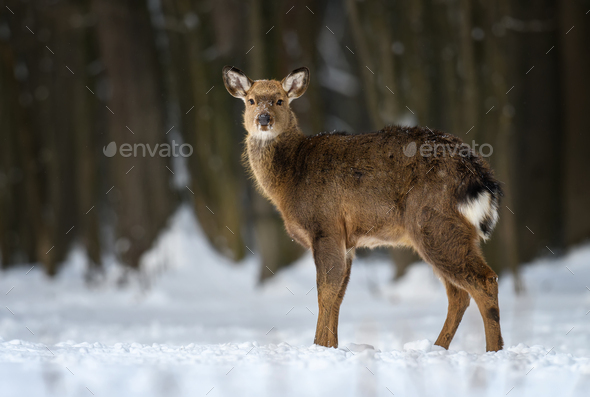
x,y
204,328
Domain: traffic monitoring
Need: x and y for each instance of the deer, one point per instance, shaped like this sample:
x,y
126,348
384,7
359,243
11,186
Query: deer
x,y
337,192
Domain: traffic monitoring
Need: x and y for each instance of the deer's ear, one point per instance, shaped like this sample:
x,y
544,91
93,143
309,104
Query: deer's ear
x,y
236,82
295,84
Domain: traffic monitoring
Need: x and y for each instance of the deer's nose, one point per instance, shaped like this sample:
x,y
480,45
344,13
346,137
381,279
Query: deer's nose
x,y
264,118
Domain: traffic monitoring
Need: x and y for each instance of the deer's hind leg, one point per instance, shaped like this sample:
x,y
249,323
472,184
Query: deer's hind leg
x,y
482,284
450,244
458,303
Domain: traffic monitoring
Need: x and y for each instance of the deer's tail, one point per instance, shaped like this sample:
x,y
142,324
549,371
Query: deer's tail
x,y
479,201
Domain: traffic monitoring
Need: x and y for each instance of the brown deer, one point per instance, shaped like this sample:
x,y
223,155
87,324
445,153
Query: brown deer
x,y
337,192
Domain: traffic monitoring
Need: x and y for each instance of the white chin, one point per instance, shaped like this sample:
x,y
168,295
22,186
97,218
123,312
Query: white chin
x,y
265,134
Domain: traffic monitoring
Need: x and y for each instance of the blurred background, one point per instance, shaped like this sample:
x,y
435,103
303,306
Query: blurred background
x,y
77,75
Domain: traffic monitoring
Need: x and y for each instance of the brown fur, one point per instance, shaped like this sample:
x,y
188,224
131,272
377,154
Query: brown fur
x,y
337,192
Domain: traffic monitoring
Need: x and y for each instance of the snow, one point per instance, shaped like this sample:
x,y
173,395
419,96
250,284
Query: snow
x,y
196,324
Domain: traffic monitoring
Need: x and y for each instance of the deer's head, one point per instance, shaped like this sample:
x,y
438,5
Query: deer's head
x,y
268,112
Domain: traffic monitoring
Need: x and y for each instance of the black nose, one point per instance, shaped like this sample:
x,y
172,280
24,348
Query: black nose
x,y
264,118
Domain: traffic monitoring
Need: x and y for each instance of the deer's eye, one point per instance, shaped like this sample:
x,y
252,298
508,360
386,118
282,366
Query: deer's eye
x,y
251,101
280,102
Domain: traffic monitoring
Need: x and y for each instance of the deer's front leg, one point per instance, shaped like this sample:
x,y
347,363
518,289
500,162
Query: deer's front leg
x,y
331,272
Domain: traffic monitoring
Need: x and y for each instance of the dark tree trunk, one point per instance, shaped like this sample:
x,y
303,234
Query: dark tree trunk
x,y
142,193
574,63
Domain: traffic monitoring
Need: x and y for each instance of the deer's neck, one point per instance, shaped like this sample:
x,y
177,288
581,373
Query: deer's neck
x,y
273,162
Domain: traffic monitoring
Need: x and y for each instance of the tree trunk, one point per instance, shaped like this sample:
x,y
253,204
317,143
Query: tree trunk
x,y
142,193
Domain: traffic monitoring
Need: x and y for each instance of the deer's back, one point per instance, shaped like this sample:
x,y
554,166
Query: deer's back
x,y
374,178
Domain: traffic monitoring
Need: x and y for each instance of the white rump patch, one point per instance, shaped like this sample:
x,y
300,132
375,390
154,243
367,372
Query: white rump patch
x,y
479,209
